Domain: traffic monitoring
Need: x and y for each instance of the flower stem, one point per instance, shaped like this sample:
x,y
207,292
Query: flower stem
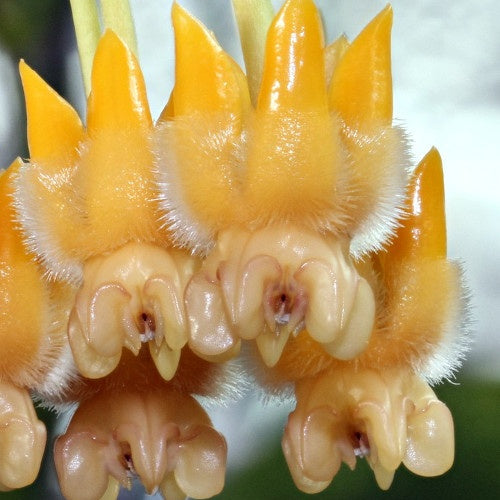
x,y
254,18
87,29
118,17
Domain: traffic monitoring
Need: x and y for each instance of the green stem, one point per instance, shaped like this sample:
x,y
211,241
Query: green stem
x,y
254,18
88,31
118,17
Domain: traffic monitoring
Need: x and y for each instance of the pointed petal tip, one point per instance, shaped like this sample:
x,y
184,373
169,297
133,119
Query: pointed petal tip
x,y
54,128
361,87
22,65
430,171
382,21
220,85
387,12
423,232
179,12
118,97
294,72
334,53
111,41
342,40
380,26
190,31
431,157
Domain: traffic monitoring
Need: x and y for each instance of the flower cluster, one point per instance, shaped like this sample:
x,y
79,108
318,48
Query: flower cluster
x,y
276,210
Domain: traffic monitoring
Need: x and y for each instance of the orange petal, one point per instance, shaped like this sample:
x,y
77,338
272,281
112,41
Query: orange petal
x,y
115,177
208,101
168,111
10,236
207,79
294,73
118,97
333,54
361,88
423,233
294,148
54,128
21,327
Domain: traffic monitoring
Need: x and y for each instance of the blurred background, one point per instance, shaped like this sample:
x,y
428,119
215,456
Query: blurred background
x,y
446,68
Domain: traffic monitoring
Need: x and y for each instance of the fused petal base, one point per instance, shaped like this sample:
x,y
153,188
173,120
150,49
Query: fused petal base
x,y
271,283
387,417
162,437
130,297
22,438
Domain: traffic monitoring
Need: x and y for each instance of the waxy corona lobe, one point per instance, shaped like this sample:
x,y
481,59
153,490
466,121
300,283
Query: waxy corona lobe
x,y
263,207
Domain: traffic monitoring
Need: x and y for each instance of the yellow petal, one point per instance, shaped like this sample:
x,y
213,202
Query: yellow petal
x,y
54,128
207,79
423,233
294,73
361,88
118,97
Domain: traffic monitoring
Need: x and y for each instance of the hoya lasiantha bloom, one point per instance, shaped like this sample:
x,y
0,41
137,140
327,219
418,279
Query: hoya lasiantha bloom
x,y
276,209
106,289
322,246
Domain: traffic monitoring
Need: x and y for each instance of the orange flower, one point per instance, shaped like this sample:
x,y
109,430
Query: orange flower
x,y
276,209
298,203
108,273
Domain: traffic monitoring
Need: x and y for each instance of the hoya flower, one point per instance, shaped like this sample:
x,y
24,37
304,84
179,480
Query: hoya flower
x,y
283,195
380,405
133,425
276,209
34,345
85,246
316,246
388,417
85,202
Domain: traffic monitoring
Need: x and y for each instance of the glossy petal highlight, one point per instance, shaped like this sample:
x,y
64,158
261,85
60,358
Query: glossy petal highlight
x,y
163,437
388,417
22,438
361,87
54,128
118,98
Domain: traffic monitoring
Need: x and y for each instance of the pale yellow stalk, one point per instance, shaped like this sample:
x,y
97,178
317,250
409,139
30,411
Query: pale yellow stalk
x,y
88,31
118,17
254,18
